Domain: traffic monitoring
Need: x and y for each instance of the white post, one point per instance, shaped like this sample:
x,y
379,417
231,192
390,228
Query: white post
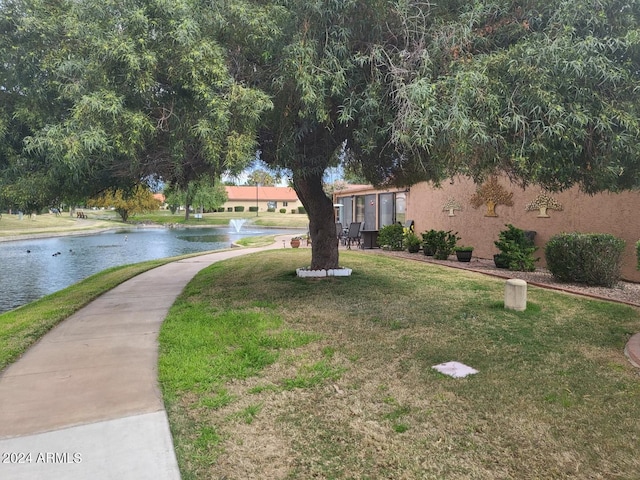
x,y
515,295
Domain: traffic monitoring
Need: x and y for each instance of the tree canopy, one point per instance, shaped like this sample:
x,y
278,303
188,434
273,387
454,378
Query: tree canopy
x,y
126,203
544,91
97,94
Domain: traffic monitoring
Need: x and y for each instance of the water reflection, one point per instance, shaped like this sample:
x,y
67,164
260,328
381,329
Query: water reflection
x,y
31,269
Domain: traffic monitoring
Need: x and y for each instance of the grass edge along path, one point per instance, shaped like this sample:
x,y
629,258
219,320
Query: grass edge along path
x,y
24,326
266,375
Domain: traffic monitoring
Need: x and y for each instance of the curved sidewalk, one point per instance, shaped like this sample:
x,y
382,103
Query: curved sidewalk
x,y
84,402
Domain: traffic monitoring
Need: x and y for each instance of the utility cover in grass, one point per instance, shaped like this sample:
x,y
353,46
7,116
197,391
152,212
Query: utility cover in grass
x,y
455,369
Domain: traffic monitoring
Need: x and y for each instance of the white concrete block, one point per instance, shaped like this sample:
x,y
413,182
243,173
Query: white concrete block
x,y
515,295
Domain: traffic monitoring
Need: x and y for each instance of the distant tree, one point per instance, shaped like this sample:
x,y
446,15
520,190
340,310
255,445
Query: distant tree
x,y
354,177
27,193
208,196
202,193
126,203
335,187
261,177
174,197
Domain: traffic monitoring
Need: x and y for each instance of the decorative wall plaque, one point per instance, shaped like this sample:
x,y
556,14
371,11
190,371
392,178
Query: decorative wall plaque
x,y
491,193
451,205
542,203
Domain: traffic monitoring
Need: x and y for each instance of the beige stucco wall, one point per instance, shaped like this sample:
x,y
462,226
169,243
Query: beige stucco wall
x,y
617,214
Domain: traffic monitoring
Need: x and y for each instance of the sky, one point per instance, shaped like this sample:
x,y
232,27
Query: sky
x,y
331,175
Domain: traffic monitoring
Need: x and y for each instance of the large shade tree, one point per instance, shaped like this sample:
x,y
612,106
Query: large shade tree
x,y
101,94
545,91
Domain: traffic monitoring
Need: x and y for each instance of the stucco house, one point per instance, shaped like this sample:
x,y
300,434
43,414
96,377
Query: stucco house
x,y
262,198
479,212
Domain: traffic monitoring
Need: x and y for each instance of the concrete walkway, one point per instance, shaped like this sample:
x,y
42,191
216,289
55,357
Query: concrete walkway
x,y
84,402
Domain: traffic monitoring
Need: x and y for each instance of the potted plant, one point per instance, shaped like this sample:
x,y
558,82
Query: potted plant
x,y
411,241
446,244
295,242
429,242
439,243
463,253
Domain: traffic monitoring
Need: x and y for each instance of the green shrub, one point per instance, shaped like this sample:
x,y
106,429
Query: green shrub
x,y
294,211
283,210
590,258
391,237
516,250
238,208
439,243
220,209
271,209
253,209
411,241
229,209
301,209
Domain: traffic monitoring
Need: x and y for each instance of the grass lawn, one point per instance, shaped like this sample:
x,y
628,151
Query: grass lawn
x,y
266,375
22,327
11,225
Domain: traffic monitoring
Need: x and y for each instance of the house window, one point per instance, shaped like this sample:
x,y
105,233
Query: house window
x,y
345,212
370,212
386,209
401,207
285,204
360,208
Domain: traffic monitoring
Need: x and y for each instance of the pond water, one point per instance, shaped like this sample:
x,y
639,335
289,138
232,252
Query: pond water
x,y
31,269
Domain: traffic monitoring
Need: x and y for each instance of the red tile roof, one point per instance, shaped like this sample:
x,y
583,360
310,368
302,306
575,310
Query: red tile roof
x,y
248,192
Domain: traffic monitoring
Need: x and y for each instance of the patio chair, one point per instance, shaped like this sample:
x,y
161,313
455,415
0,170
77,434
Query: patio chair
x,y
353,235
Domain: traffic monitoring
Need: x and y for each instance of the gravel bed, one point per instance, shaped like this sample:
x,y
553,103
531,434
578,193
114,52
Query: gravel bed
x,y
624,292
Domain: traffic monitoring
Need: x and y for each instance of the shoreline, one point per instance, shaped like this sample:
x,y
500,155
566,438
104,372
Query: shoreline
x,y
38,236
32,235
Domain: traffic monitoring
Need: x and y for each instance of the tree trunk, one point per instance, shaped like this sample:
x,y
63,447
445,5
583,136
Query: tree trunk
x,y
322,226
124,214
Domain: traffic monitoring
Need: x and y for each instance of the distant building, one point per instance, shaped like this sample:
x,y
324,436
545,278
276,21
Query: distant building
x,y
162,200
263,198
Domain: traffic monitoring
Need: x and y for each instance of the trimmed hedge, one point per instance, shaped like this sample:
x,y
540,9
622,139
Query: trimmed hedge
x,y
238,208
283,210
301,209
253,209
589,258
